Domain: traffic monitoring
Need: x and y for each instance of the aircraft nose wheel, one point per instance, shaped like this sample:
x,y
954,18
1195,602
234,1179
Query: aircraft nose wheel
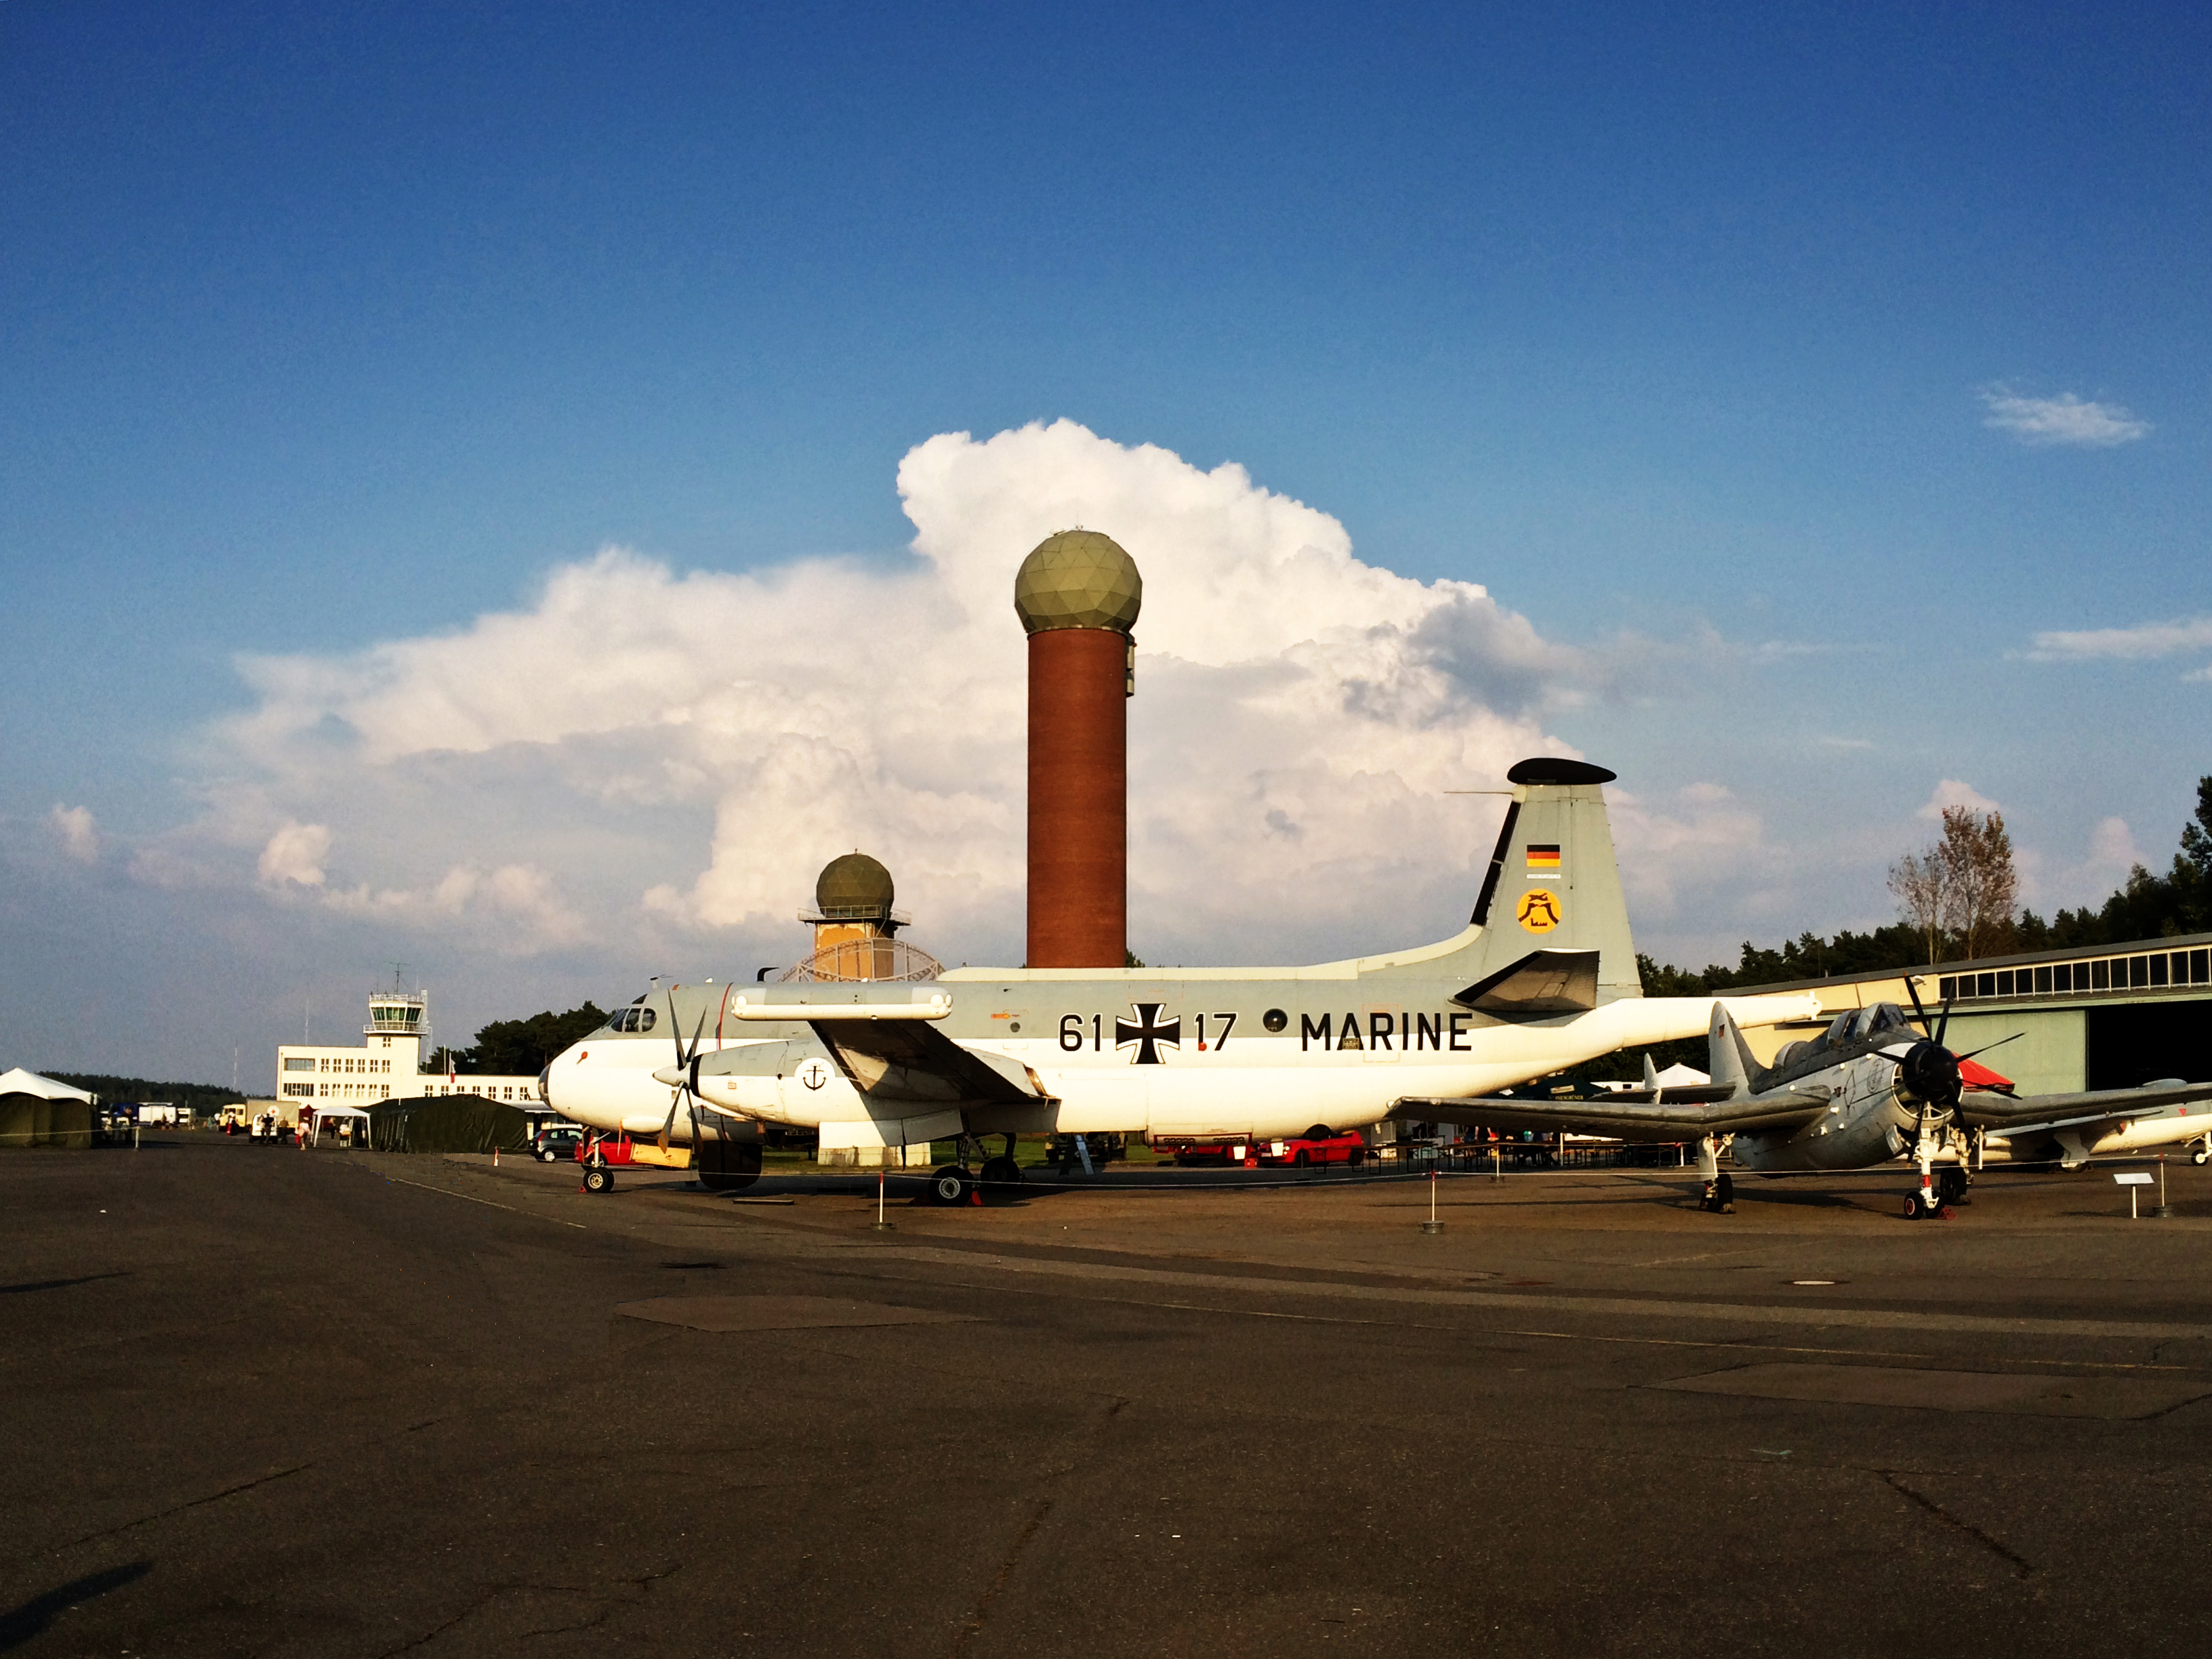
x,y
1925,1206
1720,1195
598,1179
951,1185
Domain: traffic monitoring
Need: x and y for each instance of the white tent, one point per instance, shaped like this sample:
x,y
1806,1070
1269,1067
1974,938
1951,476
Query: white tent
x,y
331,1115
37,1111
20,1082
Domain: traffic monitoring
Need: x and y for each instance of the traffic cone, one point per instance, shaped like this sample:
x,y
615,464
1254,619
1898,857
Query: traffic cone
x,y
975,1198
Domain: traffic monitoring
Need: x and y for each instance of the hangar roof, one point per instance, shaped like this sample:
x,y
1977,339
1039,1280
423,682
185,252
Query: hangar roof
x,y
2182,963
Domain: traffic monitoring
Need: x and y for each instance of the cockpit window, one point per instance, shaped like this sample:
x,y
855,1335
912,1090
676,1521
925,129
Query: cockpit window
x,y
633,1018
1854,1025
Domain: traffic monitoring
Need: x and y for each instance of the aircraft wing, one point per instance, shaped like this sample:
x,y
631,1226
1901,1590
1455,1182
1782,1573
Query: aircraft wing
x,y
1663,1121
2009,1114
909,1061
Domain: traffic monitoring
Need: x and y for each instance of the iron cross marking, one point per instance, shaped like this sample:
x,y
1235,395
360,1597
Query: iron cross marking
x,y
1147,1031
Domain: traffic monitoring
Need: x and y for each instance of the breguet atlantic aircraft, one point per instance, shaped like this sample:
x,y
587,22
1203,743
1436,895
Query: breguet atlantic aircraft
x,y
1543,976
1868,1091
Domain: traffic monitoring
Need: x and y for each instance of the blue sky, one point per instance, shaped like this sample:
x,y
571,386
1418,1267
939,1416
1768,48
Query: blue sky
x,y
1681,331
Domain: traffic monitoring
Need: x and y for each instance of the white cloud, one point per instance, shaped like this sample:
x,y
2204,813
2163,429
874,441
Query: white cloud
x,y
1703,841
2049,883
2066,419
639,755
514,906
1952,793
75,833
2144,642
296,854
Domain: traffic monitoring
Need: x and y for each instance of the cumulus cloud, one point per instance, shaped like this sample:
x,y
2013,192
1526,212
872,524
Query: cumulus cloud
x,y
515,906
1697,840
2057,881
74,832
2065,420
296,854
2145,642
1952,793
643,754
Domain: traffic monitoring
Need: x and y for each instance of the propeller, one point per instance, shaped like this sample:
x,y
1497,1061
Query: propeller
x,y
1943,1014
1999,1043
1929,1069
685,1060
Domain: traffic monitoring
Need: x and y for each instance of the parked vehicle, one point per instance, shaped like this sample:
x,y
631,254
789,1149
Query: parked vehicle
x,y
1317,1145
556,1141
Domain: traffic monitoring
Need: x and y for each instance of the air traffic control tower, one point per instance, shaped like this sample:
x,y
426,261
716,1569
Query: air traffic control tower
x,y
1078,593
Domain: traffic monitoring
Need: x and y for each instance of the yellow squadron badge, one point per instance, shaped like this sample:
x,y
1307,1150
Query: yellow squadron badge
x,y
1539,910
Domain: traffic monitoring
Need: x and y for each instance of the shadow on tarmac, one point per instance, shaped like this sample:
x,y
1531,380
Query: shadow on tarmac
x,y
19,1625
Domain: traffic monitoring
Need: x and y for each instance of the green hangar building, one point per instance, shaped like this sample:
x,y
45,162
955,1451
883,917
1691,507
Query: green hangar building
x,y
2108,1017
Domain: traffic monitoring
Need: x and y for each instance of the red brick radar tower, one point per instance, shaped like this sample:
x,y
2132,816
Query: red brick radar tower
x,y
1078,595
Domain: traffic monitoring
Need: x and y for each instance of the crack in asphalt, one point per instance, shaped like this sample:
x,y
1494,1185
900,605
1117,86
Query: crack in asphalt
x,y
197,1503
2020,1563
974,1627
641,1585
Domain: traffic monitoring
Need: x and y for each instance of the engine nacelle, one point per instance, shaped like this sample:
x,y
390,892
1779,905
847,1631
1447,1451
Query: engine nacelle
x,y
1870,1125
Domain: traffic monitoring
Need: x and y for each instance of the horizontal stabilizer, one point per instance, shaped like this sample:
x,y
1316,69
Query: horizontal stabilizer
x,y
1541,982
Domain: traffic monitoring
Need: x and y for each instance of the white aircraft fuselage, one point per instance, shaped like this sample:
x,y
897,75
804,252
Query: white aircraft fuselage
x,y
1198,1053
1543,977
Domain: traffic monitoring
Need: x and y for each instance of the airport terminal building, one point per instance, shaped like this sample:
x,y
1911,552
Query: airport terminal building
x,y
388,1066
2107,1017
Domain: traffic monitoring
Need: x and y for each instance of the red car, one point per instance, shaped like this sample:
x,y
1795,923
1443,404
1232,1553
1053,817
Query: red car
x,y
1317,1145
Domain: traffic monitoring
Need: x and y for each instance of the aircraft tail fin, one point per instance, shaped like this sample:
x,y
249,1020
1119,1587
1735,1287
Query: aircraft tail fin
x,y
1731,1060
1554,889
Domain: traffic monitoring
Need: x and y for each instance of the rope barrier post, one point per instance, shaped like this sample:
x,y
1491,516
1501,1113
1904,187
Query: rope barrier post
x,y
882,1225
1432,1225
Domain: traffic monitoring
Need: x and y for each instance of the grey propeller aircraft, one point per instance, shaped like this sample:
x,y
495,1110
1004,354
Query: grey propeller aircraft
x,y
1871,1092
1543,976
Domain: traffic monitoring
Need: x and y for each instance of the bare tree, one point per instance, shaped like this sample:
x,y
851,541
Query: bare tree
x,y
1981,887
1920,881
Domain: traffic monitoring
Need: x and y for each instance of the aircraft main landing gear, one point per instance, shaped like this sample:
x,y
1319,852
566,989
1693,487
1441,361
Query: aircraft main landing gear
x,y
951,1185
1720,1195
1951,1186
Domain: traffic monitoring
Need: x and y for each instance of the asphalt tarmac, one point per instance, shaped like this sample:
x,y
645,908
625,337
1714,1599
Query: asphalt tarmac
x,y
276,1402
